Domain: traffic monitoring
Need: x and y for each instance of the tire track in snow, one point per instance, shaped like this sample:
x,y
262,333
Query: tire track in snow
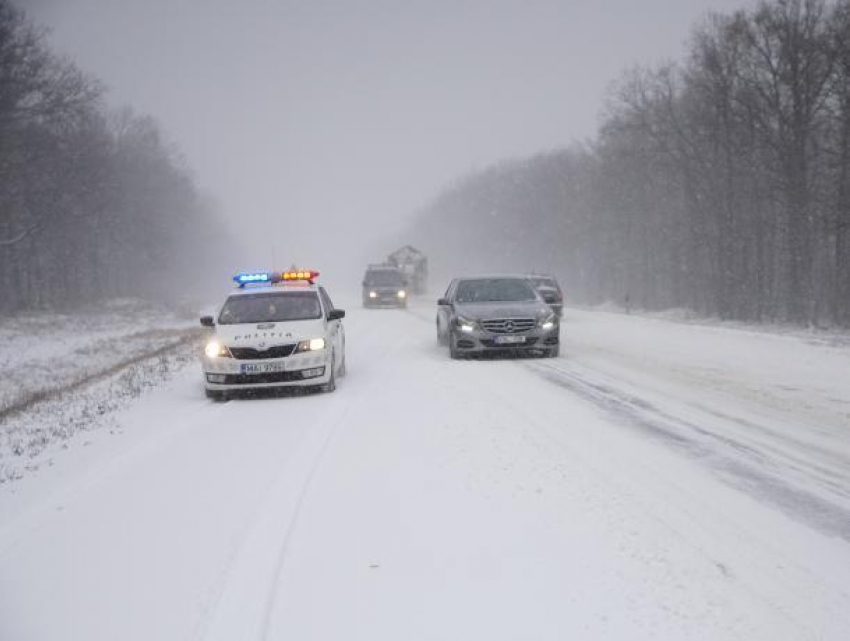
x,y
743,465
244,606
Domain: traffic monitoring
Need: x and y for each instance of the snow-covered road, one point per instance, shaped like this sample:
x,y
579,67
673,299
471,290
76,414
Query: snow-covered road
x,y
658,480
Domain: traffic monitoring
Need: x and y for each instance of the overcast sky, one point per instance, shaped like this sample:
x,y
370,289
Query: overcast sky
x,y
359,112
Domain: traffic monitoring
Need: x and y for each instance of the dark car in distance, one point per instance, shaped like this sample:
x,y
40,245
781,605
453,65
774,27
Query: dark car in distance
x,y
548,287
384,286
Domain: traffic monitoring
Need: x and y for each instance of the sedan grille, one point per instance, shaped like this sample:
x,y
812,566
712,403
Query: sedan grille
x,y
508,325
251,354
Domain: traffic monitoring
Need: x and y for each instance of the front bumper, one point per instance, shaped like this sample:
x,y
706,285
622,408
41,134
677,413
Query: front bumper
x,y
384,298
480,341
299,370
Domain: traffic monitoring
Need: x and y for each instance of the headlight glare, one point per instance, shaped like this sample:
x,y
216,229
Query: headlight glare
x,y
214,349
402,293
310,345
548,321
465,324
373,294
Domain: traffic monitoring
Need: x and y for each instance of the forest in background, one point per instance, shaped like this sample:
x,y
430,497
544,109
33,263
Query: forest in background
x,y
94,203
718,183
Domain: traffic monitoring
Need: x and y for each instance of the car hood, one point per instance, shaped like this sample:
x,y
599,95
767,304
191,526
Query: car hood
x,y
265,335
486,311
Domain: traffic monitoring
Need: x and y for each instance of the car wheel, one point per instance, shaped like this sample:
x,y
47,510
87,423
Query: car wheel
x,y
454,352
442,337
342,370
553,352
330,386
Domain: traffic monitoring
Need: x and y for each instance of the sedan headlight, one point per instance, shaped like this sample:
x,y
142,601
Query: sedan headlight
x,y
311,345
214,349
548,322
465,324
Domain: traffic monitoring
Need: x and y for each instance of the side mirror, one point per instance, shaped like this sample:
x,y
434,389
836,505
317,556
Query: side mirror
x,y
442,302
207,321
336,314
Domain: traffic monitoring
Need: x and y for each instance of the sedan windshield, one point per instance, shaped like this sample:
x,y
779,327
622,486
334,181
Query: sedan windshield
x,y
483,290
271,307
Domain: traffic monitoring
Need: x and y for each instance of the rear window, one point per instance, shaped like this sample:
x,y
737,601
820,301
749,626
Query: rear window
x,y
544,282
270,308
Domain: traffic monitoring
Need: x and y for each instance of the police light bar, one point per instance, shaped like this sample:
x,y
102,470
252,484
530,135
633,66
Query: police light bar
x,y
256,278
302,274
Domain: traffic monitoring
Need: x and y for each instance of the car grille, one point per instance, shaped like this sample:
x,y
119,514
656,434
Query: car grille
x,y
530,342
508,325
258,379
251,354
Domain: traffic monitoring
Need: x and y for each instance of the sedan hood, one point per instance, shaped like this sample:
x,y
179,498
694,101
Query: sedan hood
x,y
262,335
487,311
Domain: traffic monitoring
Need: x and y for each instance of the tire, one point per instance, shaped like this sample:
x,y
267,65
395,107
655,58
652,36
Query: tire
x,y
442,339
216,395
454,353
342,370
330,386
553,352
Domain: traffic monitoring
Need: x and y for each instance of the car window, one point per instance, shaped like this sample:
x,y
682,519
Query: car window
x,y
271,307
384,278
483,290
545,282
326,299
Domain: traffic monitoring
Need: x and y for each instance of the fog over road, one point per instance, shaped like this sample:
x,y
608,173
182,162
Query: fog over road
x,y
658,480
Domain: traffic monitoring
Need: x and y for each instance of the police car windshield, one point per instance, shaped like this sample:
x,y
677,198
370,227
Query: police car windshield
x,y
384,278
486,290
270,307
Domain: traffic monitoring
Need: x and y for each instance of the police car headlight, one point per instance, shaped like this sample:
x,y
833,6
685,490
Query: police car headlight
x,y
402,293
310,345
373,294
214,349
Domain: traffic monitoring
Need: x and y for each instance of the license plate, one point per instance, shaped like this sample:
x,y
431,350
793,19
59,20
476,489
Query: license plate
x,y
261,368
509,340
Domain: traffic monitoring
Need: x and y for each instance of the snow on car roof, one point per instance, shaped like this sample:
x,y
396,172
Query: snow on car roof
x,y
278,289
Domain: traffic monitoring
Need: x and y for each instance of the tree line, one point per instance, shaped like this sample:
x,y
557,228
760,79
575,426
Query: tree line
x,y
719,182
94,202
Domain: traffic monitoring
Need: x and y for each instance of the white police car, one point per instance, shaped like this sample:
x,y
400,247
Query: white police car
x,y
278,329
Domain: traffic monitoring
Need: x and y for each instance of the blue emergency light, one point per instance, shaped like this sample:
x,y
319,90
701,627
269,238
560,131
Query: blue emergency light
x,y
256,278
269,278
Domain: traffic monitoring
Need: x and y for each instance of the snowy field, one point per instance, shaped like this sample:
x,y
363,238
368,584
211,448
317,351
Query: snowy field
x,y
65,373
659,480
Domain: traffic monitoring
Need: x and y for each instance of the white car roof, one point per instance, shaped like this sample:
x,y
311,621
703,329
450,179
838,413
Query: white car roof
x,y
275,289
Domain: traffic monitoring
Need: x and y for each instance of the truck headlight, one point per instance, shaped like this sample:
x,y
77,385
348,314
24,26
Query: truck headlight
x,y
402,293
214,349
373,294
310,345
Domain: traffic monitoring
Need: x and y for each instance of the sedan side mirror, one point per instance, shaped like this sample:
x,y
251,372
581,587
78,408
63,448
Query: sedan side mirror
x,y
442,301
336,314
207,321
